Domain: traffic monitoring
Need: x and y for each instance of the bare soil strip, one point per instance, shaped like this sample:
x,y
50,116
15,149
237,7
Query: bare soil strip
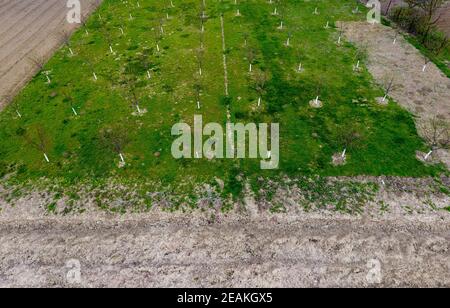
x,y
28,28
425,94
406,245
187,251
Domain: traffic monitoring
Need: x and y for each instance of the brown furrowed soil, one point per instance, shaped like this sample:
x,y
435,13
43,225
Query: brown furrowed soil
x,y
29,28
405,244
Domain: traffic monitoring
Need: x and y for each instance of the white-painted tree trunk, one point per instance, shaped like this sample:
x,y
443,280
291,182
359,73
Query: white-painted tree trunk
x,y
46,158
149,75
18,113
424,68
95,76
74,111
428,155
344,153
122,158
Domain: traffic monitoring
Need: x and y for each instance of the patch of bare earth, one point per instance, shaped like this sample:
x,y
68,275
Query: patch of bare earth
x,y
402,242
30,28
426,94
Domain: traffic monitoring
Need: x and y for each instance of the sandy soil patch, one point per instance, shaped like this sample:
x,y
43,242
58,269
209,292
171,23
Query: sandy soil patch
x,y
29,27
426,94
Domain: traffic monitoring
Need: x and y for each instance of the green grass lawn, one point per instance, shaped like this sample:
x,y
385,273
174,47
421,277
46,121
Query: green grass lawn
x,y
309,137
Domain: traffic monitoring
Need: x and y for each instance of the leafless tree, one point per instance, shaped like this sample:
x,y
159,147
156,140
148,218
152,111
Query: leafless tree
x,y
91,66
260,79
68,98
64,38
39,140
430,9
38,61
388,85
246,37
8,100
199,56
106,33
158,37
349,136
439,46
84,20
115,138
361,54
251,56
130,81
436,133
388,7
202,15
198,87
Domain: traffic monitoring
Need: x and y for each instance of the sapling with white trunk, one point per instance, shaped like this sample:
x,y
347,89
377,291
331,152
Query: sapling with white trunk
x,y
115,138
299,61
130,83
38,62
288,41
260,79
108,38
388,85
246,36
158,38
198,87
436,133
360,56
37,138
349,135
203,17
319,87
341,33
68,98
84,24
395,37
251,56
64,38
91,66
199,55
8,100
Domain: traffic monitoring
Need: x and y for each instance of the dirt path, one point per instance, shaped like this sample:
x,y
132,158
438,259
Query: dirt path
x,y
425,94
29,28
